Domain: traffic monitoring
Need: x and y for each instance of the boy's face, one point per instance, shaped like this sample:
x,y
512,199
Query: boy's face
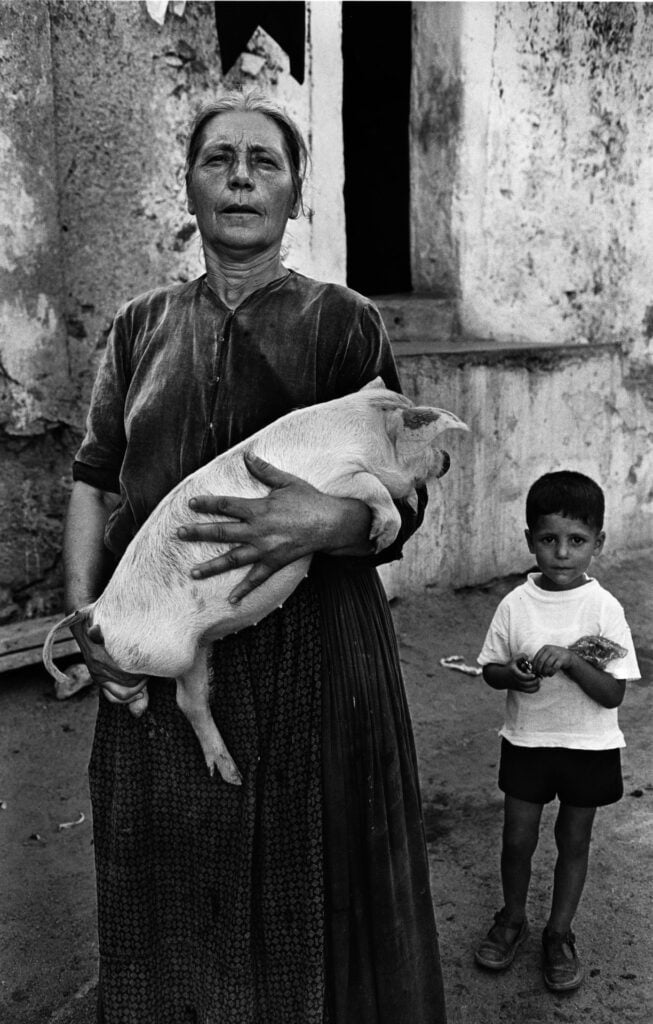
x,y
563,549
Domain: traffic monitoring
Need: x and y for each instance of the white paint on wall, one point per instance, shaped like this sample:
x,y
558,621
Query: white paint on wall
x,y
315,242
328,250
22,229
554,201
33,358
26,335
476,46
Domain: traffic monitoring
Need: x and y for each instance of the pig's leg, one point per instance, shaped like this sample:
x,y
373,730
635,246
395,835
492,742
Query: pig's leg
x,y
193,700
386,520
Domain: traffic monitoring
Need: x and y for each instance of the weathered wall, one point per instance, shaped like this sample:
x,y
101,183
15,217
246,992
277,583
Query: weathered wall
x,y
434,136
33,359
554,201
529,412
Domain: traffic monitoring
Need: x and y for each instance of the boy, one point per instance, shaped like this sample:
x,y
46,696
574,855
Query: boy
x,y
561,736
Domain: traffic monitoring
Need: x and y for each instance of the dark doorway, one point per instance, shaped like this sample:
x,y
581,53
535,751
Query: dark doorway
x,y
376,46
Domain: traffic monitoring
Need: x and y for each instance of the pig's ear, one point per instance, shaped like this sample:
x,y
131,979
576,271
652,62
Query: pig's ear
x,y
436,421
419,425
376,383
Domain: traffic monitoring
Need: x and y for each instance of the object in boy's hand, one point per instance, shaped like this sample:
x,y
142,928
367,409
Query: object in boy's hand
x,y
525,665
597,650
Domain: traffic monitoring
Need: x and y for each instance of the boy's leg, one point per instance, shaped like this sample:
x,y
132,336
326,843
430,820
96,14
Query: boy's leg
x,y
521,827
573,833
520,834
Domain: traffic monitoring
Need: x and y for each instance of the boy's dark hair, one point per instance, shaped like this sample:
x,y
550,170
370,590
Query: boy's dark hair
x,y
566,493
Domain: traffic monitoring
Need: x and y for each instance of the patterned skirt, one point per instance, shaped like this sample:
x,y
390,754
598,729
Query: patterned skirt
x,y
301,897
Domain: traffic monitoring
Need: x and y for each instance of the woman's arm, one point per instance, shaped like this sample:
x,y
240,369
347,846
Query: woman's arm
x,y
87,563
87,568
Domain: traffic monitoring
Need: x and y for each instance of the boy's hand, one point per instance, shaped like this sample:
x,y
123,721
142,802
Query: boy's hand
x,y
551,659
522,679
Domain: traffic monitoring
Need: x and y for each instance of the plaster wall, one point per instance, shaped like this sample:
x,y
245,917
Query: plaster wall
x,y
529,412
553,205
434,131
33,357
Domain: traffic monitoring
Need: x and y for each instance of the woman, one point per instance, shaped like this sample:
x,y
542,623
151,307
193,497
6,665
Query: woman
x,y
303,895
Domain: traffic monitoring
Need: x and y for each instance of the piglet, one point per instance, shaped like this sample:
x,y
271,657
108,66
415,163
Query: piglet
x,y
154,619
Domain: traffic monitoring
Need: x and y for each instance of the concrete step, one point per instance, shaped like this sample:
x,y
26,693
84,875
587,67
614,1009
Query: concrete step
x,y
418,319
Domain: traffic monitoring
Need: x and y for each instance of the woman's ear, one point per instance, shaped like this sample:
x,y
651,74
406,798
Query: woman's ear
x,y
190,205
296,208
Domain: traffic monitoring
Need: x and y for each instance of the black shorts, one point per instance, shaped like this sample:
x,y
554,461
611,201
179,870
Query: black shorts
x,y
580,778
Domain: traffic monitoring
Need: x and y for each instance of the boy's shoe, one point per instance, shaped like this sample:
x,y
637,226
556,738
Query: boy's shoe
x,y
562,969
497,950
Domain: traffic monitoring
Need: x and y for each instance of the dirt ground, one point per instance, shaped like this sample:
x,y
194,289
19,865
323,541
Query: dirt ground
x,y
48,950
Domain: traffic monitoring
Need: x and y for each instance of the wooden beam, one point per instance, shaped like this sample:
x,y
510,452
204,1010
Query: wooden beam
x,y
21,643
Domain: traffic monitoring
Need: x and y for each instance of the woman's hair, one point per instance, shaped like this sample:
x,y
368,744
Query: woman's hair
x,y
566,493
256,102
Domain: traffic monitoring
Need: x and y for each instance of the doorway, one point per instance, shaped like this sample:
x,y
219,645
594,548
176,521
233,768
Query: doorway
x,y
376,47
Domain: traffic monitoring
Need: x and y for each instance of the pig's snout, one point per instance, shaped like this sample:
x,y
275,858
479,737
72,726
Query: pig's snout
x,y
446,462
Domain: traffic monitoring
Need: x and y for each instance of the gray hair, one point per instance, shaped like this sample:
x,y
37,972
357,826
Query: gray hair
x,y
257,102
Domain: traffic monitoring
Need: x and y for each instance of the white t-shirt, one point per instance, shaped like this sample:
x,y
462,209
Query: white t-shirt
x,y
560,714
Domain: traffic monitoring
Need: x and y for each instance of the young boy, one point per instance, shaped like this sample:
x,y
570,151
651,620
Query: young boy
x,y
561,736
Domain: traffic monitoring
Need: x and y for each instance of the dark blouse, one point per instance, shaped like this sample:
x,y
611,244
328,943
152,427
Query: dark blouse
x,y
184,378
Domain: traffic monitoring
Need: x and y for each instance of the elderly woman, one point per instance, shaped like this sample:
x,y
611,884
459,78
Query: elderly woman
x,y
301,896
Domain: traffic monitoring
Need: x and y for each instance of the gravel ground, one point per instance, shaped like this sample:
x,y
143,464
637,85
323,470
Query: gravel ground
x,y
48,950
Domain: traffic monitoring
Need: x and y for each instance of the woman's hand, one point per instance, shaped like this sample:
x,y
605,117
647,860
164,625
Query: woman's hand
x,y
268,533
119,687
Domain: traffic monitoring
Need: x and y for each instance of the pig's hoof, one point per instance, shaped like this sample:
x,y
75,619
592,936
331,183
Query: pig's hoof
x,y
383,536
226,768
139,704
76,678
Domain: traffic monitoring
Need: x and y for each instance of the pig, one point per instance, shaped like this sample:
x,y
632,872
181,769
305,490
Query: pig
x,y
154,619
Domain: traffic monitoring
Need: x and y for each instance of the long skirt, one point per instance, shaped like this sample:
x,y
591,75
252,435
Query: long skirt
x,y
302,896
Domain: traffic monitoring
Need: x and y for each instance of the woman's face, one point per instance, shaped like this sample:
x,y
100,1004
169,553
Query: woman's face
x,y
241,189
